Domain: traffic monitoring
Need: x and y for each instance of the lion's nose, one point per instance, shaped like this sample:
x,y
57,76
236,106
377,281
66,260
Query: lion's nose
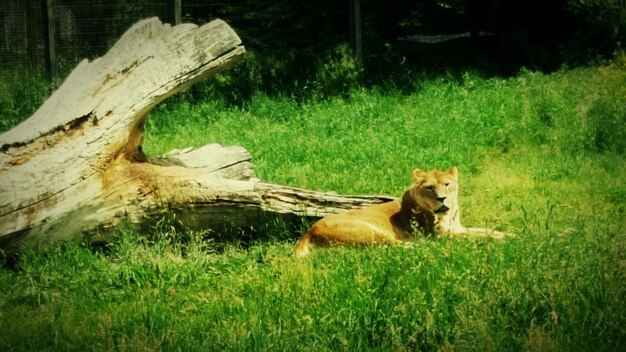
x,y
441,199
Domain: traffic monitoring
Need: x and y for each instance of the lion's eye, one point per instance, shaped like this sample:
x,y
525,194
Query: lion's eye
x,y
446,184
430,188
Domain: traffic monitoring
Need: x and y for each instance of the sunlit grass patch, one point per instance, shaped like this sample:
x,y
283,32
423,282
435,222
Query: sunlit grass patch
x,y
539,155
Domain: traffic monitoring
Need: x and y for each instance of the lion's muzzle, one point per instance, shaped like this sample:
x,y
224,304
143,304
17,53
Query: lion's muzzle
x,y
442,209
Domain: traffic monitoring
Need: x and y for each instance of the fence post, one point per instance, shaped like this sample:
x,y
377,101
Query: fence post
x,y
356,39
51,62
32,35
177,11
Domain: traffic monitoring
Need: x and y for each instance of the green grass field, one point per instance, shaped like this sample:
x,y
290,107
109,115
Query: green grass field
x,y
540,155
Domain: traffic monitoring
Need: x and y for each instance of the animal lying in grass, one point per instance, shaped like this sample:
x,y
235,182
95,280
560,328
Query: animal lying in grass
x,y
429,206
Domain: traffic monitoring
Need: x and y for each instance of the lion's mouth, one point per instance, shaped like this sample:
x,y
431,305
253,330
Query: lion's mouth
x,y
442,209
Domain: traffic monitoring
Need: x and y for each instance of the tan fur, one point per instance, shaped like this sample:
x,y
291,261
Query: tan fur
x,y
428,206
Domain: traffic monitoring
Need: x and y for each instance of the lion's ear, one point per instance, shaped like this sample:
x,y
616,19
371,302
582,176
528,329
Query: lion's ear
x,y
418,174
454,172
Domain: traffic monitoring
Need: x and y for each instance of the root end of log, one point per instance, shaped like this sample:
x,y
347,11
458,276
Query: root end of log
x,y
76,166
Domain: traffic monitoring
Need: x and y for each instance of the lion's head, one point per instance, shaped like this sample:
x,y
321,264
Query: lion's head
x,y
434,191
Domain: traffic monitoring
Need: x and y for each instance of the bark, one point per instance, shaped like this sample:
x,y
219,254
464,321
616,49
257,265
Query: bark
x,y
76,167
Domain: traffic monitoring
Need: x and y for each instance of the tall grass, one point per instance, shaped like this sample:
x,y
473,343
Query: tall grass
x,y
22,91
541,155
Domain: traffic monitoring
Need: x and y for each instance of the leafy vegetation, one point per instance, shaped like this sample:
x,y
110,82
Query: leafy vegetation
x,y
21,93
541,155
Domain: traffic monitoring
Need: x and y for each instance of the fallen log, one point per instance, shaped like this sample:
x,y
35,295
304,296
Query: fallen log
x,y
76,166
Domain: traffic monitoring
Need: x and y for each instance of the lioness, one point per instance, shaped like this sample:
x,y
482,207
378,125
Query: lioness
x,y
428,206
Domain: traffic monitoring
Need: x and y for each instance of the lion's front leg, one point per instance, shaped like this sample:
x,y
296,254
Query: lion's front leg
x,y
451,226
478,232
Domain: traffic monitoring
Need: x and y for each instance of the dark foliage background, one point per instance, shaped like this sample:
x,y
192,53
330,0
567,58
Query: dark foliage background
x,y
302,49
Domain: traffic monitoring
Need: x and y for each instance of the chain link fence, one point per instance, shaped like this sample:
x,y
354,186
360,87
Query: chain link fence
x,y
290,41
53,35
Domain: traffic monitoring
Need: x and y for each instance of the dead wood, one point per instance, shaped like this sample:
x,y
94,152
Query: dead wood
x,y
76,166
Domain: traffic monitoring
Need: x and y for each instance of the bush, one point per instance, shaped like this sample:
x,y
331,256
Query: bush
x,y
22,91
602,24
607,114
336,74
290,74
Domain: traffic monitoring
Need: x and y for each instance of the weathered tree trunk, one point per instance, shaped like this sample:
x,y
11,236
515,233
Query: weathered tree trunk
x,y
76,166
